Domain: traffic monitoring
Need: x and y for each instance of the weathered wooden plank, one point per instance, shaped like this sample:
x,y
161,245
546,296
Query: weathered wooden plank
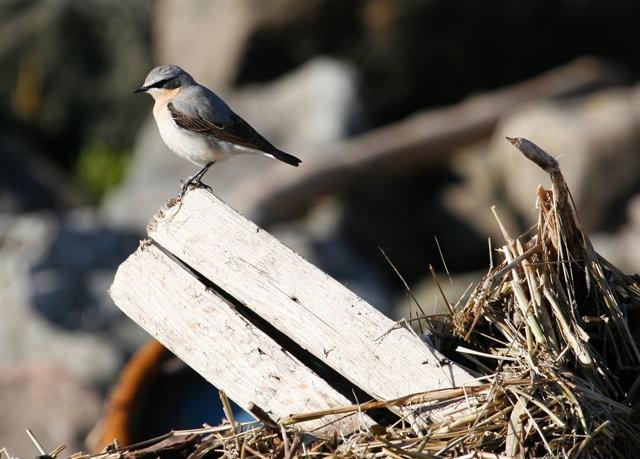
x,y
301,301
215,340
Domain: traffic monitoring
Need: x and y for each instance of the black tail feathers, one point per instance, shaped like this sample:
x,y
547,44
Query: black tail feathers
x,y
286,158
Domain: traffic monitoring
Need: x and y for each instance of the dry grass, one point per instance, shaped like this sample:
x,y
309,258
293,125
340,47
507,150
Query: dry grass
x,y
551,334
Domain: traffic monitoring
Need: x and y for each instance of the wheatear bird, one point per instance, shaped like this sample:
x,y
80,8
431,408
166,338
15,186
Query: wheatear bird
x,y
197,125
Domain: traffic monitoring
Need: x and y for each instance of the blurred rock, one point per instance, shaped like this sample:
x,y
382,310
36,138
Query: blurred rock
x,y
56,406
71,278
473,196
307,109
54,274
629,241
298,113
405,217
623,248
597,142
184,32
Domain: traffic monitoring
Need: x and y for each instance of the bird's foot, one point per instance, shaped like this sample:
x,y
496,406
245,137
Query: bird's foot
x,y
194,182
199,184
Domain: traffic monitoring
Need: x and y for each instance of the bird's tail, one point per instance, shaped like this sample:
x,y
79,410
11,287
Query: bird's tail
x,y
285,157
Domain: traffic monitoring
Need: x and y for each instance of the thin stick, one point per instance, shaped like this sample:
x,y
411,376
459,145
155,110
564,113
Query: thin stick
x,y
255,453
36,442
57,451
285,440
406,286
262,416
446,269
226,406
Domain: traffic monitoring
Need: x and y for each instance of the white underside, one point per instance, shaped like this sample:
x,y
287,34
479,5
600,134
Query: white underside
x,y
197,148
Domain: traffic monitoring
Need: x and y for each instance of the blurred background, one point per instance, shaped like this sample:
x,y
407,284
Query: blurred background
x,y
397,108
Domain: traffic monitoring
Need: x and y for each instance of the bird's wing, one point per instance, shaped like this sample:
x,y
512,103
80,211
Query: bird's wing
x,y
234,130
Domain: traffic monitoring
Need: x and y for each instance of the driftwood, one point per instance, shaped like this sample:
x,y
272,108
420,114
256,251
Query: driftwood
x,y
209,335
250,316
419,141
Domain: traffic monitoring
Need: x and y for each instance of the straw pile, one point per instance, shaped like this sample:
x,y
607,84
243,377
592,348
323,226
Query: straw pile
x,y
551,334
558,315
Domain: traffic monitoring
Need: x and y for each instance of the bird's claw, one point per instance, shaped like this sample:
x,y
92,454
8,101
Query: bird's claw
x,y
184,185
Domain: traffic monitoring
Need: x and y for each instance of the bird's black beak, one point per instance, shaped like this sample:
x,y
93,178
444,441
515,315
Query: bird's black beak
x,y
142,89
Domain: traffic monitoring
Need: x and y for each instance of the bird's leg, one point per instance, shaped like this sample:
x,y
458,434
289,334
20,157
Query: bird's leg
x,y
196,179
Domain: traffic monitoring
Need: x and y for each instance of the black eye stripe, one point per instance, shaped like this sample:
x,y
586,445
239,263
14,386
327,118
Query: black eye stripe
x,y
156,85
170,83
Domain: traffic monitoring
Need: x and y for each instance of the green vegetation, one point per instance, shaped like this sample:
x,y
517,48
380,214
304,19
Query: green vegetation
x,y
100,168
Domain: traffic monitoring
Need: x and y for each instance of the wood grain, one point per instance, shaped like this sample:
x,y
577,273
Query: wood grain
x,y
304,303
210,336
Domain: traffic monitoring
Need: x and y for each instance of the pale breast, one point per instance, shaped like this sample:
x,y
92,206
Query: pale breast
x,y
193,147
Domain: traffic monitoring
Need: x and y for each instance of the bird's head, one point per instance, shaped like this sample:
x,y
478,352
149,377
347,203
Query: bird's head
x,y
165,79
